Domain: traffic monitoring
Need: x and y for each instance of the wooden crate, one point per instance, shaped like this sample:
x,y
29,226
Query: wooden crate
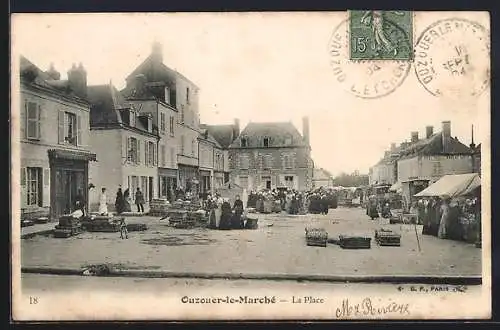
x,y
385,237
316,237
354,242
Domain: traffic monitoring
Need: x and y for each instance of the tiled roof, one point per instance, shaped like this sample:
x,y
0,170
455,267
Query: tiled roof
x,y
32,74
434,146
106,103
224,134
208,137
276,131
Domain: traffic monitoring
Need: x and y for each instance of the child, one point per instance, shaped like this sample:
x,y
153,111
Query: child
x,y
123,229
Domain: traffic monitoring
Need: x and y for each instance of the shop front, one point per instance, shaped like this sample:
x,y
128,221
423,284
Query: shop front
x,y
188,178
68,180
205,181
167,183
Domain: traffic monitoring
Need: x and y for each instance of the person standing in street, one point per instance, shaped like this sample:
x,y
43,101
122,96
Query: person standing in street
x,y
139,200
119,201
445,215
103,202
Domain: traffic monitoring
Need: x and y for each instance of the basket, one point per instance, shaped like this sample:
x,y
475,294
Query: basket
x,y
385,237
251,223
316,237
354,242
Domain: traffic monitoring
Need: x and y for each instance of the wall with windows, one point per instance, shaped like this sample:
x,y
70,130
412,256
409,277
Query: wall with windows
x,y
258,168
46,122
206,155
433,167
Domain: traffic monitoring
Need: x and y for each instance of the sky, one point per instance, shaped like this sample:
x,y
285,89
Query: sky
x,y
254,67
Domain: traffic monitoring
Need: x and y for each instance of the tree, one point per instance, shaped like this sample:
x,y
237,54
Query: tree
x,y
351,180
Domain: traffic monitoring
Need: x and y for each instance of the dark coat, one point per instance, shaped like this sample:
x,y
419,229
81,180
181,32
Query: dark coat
x,y
139,197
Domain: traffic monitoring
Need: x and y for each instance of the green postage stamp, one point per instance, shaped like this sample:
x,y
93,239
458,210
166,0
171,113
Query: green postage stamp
x,y
380,35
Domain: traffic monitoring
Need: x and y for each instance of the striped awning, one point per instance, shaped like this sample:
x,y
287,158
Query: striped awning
x,y
71,155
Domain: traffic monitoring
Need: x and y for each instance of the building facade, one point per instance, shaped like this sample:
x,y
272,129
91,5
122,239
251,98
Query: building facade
x,y
55,152
125,141
322,178
175,113
272,155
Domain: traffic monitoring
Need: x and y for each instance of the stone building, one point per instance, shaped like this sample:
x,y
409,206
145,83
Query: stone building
x,y
271,155
125,141
322,178
211,162
424,161
54,130
172,100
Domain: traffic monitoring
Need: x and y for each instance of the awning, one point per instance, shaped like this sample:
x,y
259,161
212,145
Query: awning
x,y
452,186
72,155
397,187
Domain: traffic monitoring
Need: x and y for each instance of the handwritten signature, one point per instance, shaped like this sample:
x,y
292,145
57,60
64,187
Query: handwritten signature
x,y
368,308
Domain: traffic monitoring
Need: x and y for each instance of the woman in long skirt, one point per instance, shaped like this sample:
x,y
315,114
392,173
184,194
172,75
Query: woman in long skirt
x,y
445,214
103,202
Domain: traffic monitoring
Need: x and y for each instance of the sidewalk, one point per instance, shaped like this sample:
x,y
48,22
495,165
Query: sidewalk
x,y
37,229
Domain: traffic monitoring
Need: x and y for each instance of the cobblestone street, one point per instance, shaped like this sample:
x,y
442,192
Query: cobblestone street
x,y
277,246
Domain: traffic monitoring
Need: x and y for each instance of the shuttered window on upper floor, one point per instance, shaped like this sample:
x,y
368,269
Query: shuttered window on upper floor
x,y
33,120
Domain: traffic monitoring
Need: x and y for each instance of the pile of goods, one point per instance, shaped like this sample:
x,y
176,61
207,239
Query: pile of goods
x,y
179,219
316,237
199,217
386,237
68,226
137,227
158,207
102,223
251,223
354,242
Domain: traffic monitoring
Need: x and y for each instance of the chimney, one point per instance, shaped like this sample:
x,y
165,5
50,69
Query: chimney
x,y
53,73
305,129
236,128
157,52
77,80
429,130
446,135
472,144
414,137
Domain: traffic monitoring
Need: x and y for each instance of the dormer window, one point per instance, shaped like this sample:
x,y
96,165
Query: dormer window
x,y
267,142
167,95
244,142
288,140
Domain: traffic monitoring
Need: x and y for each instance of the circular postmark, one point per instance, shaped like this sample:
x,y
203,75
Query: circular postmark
x,y
364,78
452,58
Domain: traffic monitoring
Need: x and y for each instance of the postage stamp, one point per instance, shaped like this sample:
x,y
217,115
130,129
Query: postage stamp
x,y
367,78
380,35
452,58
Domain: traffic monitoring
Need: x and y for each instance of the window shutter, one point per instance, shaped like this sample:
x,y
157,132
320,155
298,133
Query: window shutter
x,y
46,177
146,153
39,121
155,155
79,130
23,176
24,121
61,126
128,150
138,151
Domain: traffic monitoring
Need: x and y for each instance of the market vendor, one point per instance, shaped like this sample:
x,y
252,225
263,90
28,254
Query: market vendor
x,y
238,211
226,215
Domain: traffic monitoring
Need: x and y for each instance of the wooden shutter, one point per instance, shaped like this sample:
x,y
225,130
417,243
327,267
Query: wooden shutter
x,y
129,155
23,176
61,126
138,151
79,130
46,177
146,153
155,155
24,121
39,121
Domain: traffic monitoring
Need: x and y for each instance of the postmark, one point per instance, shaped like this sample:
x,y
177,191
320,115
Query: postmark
x,y
380,35
452,58
363,78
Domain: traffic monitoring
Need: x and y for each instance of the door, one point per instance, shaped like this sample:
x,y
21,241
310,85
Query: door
x,y
150,190
68,184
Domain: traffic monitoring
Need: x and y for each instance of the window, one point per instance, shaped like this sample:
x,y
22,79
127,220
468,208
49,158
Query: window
x,y
244,162
187,95
172,123
144,186
289,181
267,161
70,128
193,147
287,161
133,150
167,95
33,113
182,144
151,157
288,140
132,118
244,142
162,122
244,182
437,169
34,186
163,155
133,184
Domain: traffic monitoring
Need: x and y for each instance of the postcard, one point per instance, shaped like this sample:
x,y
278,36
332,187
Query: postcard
x,y
251,166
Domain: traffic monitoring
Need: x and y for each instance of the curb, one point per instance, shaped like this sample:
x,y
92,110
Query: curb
x,y
451,280
42,232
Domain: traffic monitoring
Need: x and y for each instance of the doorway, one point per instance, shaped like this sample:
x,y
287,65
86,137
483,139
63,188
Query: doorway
x,y
67,185
150,190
